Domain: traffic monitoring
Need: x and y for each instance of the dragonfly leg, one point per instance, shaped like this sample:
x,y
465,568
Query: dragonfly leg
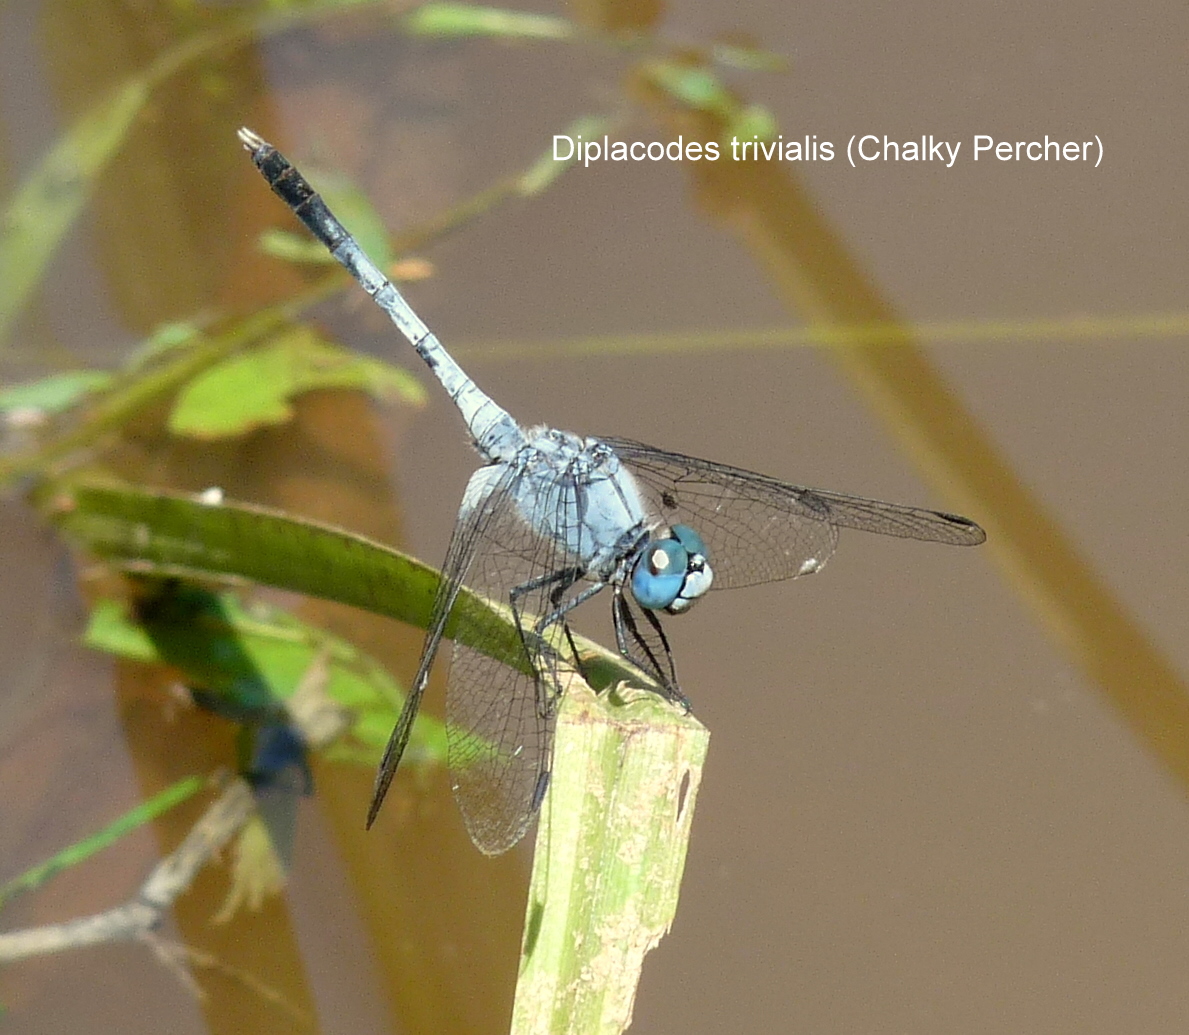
x,y
555,599
537,648
561,580
673,691
629,639
558,617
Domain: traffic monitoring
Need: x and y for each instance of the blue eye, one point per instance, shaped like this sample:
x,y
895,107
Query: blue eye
x,y
659,574
690,539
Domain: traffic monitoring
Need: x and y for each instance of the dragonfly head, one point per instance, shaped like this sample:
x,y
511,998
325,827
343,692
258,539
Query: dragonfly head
x,y
672,571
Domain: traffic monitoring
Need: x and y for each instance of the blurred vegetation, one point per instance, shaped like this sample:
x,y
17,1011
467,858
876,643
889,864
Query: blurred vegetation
x,y
176,548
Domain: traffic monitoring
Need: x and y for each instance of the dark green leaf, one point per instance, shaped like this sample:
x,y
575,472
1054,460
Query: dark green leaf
x,y
161,533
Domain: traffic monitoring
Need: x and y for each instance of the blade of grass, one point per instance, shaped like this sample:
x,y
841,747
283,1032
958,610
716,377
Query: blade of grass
x,y
959,332
136,817
451,20
49,200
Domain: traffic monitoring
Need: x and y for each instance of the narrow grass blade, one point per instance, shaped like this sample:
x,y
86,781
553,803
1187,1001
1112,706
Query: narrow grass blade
x,y
77,853
48,202
546,169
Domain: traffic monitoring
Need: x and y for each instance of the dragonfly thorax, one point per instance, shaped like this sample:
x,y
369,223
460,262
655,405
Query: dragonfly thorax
x,y
671,571
575,492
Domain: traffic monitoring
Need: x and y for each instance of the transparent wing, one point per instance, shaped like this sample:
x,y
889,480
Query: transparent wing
x,y
758,529
486,495
500,713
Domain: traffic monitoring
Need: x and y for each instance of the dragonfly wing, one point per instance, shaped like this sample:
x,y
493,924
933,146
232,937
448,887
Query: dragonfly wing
x,y
501,703
486,493
759,529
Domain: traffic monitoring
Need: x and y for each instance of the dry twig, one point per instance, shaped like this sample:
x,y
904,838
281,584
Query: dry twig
x,y
168,879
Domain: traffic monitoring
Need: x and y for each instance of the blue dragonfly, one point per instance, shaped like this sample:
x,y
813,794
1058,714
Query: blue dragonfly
x,y
553,519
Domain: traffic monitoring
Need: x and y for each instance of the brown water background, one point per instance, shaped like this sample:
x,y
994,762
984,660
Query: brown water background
x,y
919,814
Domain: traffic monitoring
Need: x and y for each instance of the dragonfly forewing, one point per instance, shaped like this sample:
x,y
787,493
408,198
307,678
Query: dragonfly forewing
x,y
759,529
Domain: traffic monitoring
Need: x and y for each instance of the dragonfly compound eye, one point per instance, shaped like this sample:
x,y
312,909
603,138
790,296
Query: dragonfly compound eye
x,y
659,573
672,572
698,574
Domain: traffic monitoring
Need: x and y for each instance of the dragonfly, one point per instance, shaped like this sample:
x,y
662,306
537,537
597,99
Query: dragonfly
x,y
552,519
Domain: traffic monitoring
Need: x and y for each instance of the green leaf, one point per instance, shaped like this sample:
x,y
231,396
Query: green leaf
x,y
694,86
293,247
77,853
252,659
164,338
160,533
255,388
698,87
748,58
55,393
446,20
